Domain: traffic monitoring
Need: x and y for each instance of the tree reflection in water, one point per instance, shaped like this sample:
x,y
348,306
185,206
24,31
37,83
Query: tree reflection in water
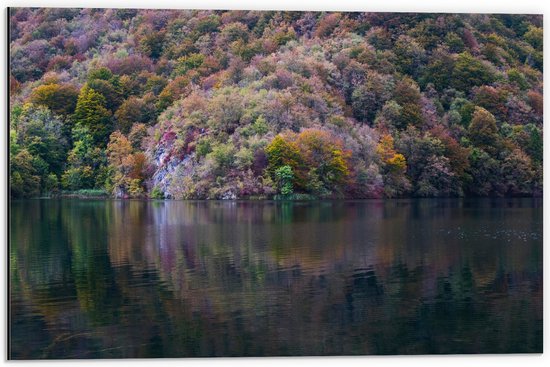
x,y
116,279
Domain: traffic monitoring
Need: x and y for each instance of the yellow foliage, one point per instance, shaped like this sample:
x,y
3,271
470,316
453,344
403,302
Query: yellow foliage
x,y
385,148
394,161
397,162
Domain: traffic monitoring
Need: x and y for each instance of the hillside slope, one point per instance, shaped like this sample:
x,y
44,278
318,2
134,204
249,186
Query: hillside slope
x,y
238,104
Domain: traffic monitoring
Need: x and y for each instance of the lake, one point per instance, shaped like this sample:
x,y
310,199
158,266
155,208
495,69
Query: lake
x,y
130,279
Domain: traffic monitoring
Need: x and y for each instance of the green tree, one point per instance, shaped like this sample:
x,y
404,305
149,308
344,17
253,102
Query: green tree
x,y
85,162
464,108
284,178
51,184
91,112
40,132
437,179
439,70
535,37
24,180
137,136
152,43
186,63
35,135
223,156
103,81
535,146
407,95
411,114
470,72
485,172
369,96
410,55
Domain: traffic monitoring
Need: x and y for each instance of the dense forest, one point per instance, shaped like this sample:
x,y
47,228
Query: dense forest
x,y
190,104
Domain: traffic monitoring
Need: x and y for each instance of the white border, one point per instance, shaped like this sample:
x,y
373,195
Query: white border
x,y
463,6
466,6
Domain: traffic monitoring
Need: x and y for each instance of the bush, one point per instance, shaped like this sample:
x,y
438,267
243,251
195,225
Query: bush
x,y
86,193
157,193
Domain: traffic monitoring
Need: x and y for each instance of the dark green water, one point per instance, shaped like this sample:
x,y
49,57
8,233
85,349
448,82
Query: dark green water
x,y
115,279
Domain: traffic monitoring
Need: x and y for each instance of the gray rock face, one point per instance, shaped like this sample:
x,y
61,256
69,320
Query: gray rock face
x,y
229,195
171,170
164,166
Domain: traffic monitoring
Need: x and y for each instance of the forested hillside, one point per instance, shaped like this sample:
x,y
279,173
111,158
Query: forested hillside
x,y
247,104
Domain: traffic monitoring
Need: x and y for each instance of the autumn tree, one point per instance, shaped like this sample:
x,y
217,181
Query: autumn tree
x,y
126,167
492,99
283,152
483,130
457,154
517,174
59,98
136,110
327,24
429,169
233,103
318,161
175,89
326,160
408,97
394,166
536,102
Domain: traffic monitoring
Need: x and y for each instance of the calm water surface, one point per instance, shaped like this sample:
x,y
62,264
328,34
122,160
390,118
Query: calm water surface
x,y
114,279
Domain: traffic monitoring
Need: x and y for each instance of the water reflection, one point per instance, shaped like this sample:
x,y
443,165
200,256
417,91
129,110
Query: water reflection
x,y
115,279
